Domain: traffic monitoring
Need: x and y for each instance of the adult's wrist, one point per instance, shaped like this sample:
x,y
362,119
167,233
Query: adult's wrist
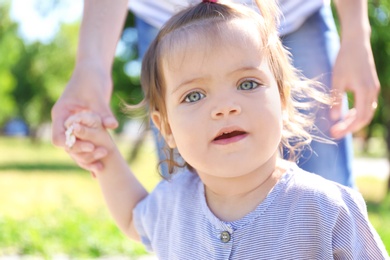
x,y
93,70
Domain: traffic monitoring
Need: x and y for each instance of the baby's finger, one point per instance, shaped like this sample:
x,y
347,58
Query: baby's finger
x,y
99,137
93,167
86,133
81,146
82,158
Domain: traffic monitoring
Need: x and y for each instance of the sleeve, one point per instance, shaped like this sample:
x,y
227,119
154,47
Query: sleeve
x,y
151,216
353,235
141,225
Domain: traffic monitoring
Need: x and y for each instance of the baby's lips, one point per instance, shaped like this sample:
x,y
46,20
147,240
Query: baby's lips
x,y
228,132
229,135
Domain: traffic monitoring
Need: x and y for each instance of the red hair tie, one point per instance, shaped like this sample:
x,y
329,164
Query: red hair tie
x,y
209,1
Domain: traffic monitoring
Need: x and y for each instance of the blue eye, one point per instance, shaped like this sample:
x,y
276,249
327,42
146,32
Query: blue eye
x,y
248,85
194,96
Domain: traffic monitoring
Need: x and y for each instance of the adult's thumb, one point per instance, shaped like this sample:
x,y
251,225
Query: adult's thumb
x,y
58,131
335,112
109,121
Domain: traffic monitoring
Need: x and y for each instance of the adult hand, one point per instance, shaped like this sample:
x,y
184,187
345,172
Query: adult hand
x,y
89,88
355,72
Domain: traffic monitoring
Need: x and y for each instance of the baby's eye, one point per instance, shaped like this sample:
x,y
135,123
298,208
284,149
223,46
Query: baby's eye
x,y
248,85
194,96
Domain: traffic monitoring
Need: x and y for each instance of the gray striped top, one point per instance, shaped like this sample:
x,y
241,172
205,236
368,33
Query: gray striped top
x,y
303,217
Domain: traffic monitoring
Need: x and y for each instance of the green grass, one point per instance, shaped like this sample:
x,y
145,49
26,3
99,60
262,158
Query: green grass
x,y
379,214
49,206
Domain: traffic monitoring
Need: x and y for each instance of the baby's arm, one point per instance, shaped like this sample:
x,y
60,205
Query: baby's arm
x,y
120,188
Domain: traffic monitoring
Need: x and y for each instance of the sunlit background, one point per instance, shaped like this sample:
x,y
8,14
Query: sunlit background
x,y
49,208
41,20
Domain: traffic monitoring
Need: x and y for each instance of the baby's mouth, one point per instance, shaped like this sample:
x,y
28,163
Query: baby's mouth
x,y
227,135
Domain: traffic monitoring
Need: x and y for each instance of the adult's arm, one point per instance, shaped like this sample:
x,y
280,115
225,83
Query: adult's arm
x,y
90,86
354,70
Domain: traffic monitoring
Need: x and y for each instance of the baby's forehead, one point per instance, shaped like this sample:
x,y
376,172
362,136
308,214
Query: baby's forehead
x,y
209,37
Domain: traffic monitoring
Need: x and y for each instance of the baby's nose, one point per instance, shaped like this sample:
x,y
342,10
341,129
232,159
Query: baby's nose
x,y
225,109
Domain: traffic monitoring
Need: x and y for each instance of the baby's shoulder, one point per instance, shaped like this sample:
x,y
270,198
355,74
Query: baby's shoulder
x,y
312,187
180,187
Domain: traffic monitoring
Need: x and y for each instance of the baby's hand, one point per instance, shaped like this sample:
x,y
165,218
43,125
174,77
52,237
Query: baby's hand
x,y
91,141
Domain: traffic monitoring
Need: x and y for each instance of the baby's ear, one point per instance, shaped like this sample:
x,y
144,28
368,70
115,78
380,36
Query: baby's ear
x,y
164,128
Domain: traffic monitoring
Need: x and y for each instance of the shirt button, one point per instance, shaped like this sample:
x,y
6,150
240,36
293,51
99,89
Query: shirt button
x,y
225,236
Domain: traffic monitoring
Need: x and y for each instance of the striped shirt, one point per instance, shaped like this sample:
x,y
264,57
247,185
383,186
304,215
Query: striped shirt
x,y
295,12
303,217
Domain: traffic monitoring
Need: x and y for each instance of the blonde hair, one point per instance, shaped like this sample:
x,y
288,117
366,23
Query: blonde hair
x,y
205,17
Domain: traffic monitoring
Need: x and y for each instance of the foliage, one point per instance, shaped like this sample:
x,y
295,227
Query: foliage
x,y
41,74
379,13
127,89
33,75
379,214
10,51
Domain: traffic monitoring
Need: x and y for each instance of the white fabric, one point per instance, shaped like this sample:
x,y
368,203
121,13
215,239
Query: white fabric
x,y
157,12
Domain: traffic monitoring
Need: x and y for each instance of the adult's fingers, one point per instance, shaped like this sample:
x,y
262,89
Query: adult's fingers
x,y
84,118
109,121
365,103
344,126
355,119
337,105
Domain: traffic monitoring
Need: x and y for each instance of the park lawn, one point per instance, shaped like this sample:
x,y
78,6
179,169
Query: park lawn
x,y
50,207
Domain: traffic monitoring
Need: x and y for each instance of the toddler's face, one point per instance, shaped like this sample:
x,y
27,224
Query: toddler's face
x,y
223,104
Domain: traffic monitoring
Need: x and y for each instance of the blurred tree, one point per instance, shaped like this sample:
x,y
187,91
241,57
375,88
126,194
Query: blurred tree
x,y
379,12
11,48
33,75
125,72
41,73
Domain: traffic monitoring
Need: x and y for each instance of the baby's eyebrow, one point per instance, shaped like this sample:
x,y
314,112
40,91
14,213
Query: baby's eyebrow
x,y
187,82
247,69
